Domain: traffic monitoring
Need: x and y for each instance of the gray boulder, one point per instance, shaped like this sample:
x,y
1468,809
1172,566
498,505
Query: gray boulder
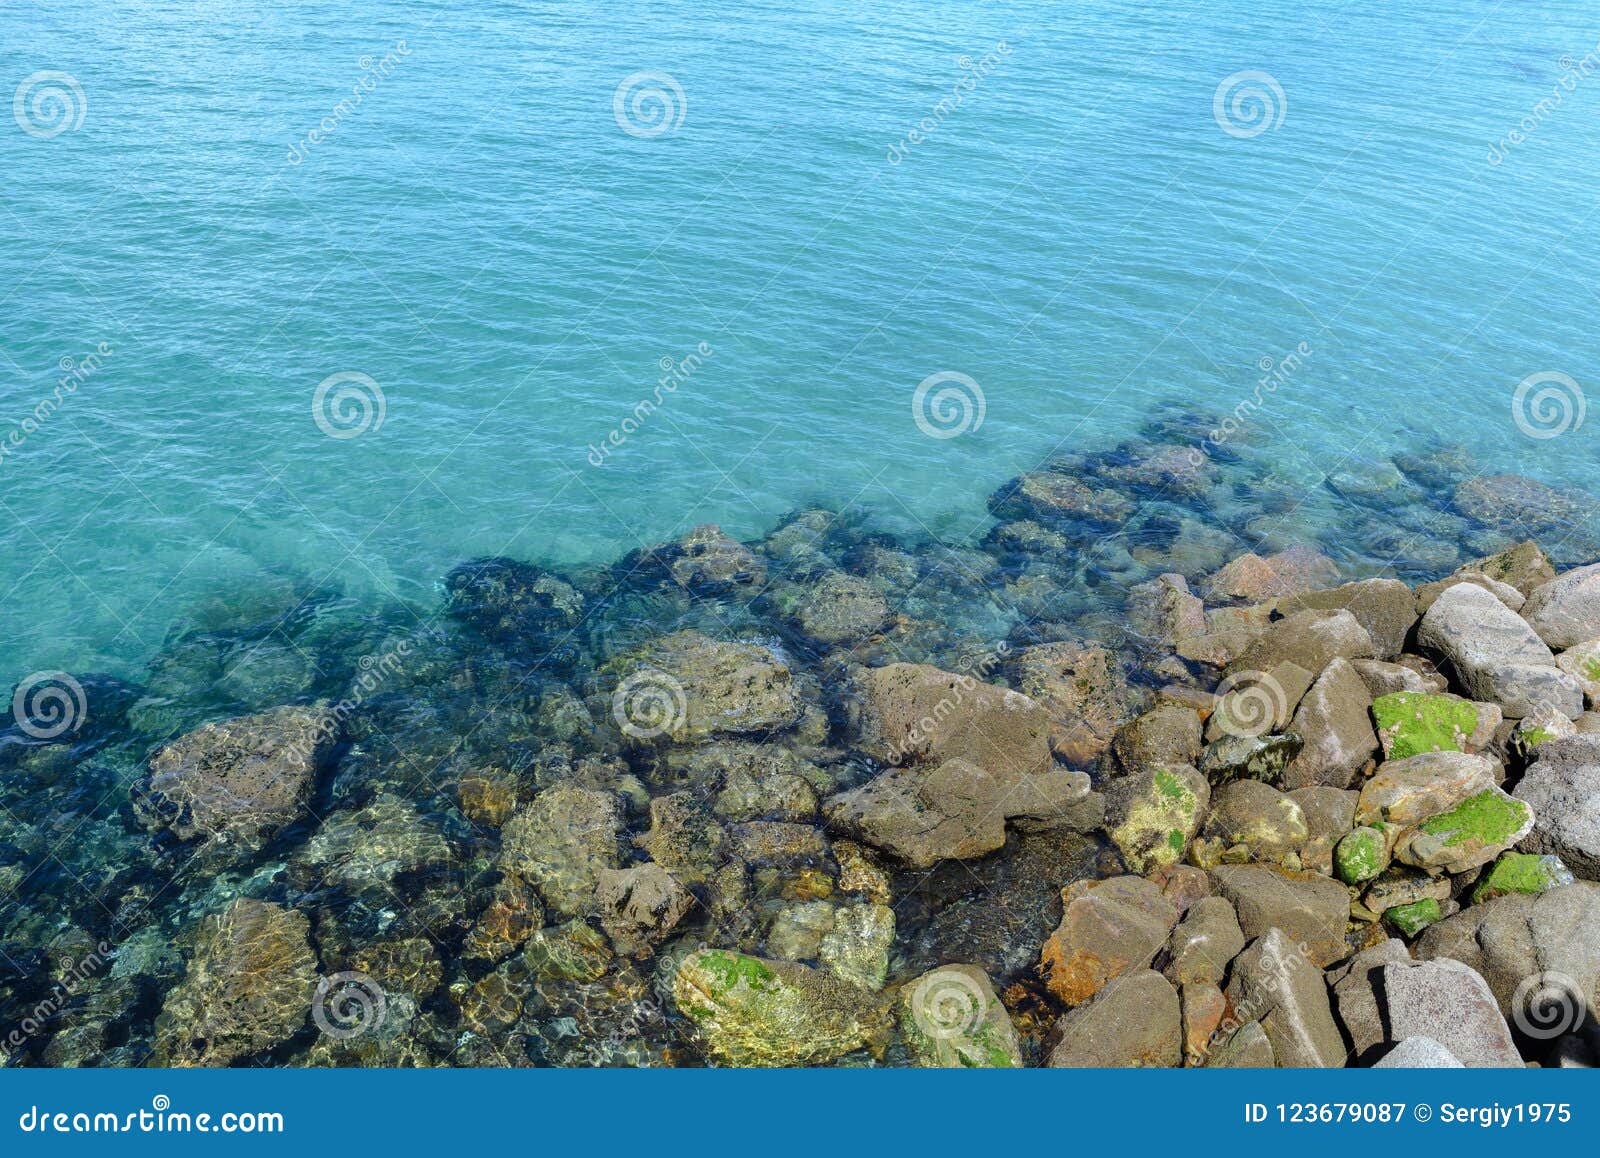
x,y
1275,983
1563,789
1134,1022
1454,1004
1495,654
1310,639
1566,610
1385,607
1310,908
1418,1053
1335,721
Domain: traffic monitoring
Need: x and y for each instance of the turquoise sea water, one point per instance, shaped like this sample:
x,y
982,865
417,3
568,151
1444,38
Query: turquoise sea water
x,y
508,254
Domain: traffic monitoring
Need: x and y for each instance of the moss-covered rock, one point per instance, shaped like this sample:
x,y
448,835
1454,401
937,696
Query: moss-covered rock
x,y
1521,872
952,1019
1413,722
1151,817
1361,855
1411,919
1475,831
747,1011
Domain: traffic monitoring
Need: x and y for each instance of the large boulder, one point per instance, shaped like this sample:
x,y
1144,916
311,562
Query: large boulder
x,y
1107,928
751,1012
955,810
1274,982
1309,639
1540,955
1452,1003
1468,835
1563,789
1333,719
1057,499
563,842
233,784
1135,1021
1286,574
1407,792
690,687
1495,655
834,609
1083,690
249,986
1523,566
1385,607
912,713
1566,610
1312,909
1252,821
1203,944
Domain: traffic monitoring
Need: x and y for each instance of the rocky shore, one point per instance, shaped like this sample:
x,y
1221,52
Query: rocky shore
x,y
1176,763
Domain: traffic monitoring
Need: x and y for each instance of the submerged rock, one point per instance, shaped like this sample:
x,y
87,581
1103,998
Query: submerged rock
x,y
510,601
563,843
235,783
249,987
750,1012
951,1019
690,687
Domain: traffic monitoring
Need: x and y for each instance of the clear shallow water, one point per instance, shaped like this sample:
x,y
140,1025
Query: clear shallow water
x,y
481,238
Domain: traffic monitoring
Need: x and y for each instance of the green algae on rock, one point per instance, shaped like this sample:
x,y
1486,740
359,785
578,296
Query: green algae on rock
x,y
753,1012
1414,722
1475,831
1521,872
1361,855
1413,918
952,1019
